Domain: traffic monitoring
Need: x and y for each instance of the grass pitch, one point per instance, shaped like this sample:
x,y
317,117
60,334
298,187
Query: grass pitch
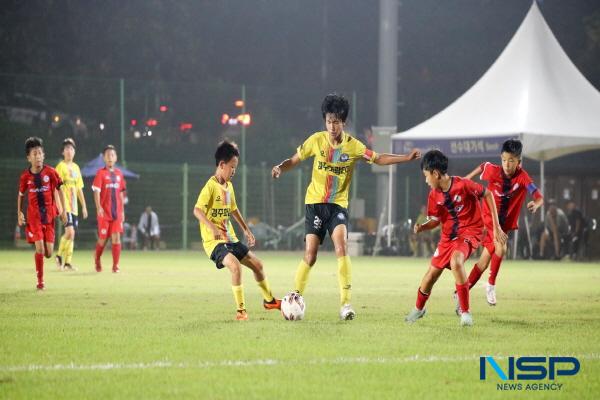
x,y
164,328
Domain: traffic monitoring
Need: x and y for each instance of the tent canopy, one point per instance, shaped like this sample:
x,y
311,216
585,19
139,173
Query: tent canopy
x,y
532,92
89,170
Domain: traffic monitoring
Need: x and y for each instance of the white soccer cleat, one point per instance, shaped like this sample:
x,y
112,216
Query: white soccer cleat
x,y
490,292
414,315
466,319
347,313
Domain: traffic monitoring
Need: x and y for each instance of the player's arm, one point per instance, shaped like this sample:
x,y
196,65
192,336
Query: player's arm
x,y
285,166
81,198
20,215
123,197
99,209
476,172
201,216
499,234
247,232
389,159
429,224
538,198
59,199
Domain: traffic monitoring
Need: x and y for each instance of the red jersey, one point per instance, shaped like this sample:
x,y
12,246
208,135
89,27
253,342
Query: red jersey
x,y
457,209
41,208
110,184
509,194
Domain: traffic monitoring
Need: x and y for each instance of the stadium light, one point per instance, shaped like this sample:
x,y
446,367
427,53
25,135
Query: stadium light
x,y
101,126
185,126
152,122
163,108
133,122
224,119
239,103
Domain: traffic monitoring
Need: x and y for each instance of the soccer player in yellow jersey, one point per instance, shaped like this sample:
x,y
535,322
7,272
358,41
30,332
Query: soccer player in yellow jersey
x,y
216,203
335,152
72,189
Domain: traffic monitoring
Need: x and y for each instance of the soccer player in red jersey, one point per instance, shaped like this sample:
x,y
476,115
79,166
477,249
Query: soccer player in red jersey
x,y
109,187
509,183
453,202
45,202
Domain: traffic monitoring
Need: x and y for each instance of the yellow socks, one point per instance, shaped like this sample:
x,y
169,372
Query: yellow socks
x,y
345,279
265,289
68,251
302,276
238,294
61,247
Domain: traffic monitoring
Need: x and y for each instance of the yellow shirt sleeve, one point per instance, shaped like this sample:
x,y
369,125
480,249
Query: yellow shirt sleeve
x,y
79,183
359,150
233,202
307,149
204,198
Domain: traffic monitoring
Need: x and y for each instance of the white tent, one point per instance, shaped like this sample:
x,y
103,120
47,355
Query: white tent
x,y
532,92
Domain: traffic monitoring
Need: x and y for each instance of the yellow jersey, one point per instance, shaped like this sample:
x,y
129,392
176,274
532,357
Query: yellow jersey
x,y
72,182
333,166
217,202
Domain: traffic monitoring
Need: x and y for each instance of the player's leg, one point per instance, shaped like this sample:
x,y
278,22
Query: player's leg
x,y
311,248
233,265
543,239
490,287
103,234
60,253
115,239
39,263
425,288
344,271
69,238
255,264
457,261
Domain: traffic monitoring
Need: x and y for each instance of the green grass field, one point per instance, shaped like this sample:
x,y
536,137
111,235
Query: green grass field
x,y
164,328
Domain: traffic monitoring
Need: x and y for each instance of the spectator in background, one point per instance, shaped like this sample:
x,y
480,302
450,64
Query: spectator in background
x,y
556,228
577,225
149,228
422,245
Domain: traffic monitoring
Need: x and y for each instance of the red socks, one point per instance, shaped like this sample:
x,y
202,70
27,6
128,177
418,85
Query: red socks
x,y
39,268
421,299
494,268
463,296
116,253
474,276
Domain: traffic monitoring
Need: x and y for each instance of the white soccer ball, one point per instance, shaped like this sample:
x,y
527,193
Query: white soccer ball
x,y
293,306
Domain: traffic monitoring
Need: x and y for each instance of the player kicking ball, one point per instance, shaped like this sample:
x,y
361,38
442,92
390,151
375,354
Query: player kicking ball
x,y
453,202
509,183
335,153
216,203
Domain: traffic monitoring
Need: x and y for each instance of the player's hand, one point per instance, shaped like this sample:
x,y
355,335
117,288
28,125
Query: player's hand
x,y
63,217
415,154
21,218
532,206
84,213
417,228
500,236
276,172
100,212
250,239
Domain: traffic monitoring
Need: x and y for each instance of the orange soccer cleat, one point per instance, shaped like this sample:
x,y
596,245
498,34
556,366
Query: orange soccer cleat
x,y
241,315
274,304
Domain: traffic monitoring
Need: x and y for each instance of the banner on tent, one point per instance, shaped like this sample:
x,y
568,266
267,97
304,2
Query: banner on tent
x,y
458,147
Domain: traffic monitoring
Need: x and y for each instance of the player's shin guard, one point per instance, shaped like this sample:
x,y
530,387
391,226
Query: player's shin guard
x,y
462,291
116,254
39,267
301,278
474,276
265,289
238,295
68,252
421,299
345,279
494,268
61,247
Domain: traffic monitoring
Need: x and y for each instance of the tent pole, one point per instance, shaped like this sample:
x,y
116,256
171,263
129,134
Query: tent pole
x,y
389,208
542,184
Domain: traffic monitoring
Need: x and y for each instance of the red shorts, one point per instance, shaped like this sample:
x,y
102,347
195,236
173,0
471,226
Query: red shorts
x,y
443,252
37,232
107,227
488,240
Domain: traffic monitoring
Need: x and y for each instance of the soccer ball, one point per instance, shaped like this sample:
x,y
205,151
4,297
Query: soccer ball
x,y
293,306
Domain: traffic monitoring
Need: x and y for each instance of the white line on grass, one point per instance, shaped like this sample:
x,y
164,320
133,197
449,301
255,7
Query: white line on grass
x,y
252,363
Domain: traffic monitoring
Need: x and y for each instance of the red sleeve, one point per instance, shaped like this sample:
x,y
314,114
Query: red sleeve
x,y
487,170
23,183
531,187
97,184
475,188
57,181
432,207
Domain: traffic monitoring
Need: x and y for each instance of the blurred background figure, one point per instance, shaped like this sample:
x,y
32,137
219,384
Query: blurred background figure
x,y
423,245
149,228
556,230
577,225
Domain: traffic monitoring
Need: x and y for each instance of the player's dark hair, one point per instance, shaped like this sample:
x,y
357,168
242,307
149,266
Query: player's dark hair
x,y
31,143
226,150
108,147
68,142
337,105
513,146
434,160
